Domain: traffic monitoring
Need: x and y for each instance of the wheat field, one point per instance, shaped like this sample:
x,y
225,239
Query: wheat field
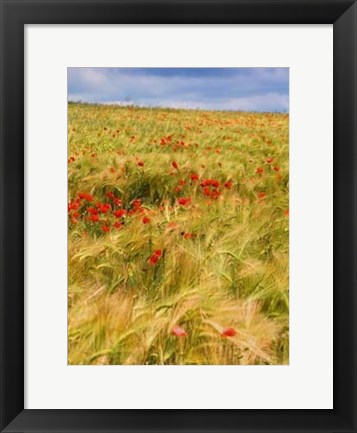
x,y
178,236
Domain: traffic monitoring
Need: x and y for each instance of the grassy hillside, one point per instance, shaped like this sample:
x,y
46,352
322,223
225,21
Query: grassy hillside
x,y
178,236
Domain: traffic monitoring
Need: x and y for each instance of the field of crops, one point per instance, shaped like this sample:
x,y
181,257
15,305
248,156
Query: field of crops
x,y
178,236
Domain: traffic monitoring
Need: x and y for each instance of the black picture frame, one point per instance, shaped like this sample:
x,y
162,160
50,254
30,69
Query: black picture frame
x,y
14,15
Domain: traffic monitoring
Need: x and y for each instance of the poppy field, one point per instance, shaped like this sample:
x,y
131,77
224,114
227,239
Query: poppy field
x,y
178,236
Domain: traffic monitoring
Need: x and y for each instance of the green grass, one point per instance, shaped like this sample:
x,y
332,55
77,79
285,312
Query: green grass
x,y
224,254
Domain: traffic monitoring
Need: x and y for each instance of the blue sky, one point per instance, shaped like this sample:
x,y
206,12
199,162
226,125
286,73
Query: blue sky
x,y
251,89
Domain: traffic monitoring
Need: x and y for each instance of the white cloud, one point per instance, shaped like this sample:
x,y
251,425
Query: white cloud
x,y
268,102
93,77
265,102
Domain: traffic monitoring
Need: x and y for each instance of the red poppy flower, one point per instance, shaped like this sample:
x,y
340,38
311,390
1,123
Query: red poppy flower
x,y
276,168
286,212
210,182
103,207
175,165
182,182
228,184
187,235
120,213
110,195
206,191
84,196
140,164
105,228
74,205
179,332
146,220
260,170
155,257
194,176
269,160
92,210
178,189
184,201
76,214
261,194
117,201
94,218
136,203
229,332
118,225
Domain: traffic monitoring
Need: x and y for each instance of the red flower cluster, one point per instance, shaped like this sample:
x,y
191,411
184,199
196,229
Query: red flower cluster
x,y
210,188
103,207
210,182
79,208
73,205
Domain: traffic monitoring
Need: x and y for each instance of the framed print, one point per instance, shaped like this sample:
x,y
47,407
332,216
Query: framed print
x,y
178,216
151,203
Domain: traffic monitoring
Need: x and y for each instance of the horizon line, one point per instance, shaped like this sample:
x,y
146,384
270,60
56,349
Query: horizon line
x,y
126,104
